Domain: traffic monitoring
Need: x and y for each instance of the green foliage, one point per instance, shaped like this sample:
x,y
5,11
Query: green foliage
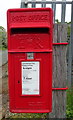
x,y
3,38
68,32
29,115
3,48
69,107
57,21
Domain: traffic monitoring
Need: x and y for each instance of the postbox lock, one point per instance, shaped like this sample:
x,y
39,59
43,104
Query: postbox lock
x,y
18,81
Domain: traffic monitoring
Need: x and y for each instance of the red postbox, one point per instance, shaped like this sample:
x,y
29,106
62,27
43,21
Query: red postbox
x,y
30,59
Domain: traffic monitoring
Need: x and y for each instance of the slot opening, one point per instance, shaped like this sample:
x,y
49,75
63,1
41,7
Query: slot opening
x,y
29,30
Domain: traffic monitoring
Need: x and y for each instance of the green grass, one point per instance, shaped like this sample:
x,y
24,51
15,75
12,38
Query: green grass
x,y
29,115
69,107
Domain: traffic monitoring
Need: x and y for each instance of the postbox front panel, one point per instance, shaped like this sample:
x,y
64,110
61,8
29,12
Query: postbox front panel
x,y
30,60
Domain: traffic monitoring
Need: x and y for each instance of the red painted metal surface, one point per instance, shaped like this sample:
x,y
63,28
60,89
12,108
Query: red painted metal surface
x,y
30,30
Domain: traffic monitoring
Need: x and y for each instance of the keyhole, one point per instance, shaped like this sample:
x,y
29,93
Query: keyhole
x,y
18,81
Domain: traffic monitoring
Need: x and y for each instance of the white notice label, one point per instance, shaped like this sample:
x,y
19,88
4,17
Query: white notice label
x,y
30,78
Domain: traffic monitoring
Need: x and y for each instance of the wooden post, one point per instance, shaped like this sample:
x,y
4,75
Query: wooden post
x,y
59,72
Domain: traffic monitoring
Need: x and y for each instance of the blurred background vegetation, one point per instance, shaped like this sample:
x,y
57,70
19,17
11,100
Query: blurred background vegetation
x,y
69,106
3,38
